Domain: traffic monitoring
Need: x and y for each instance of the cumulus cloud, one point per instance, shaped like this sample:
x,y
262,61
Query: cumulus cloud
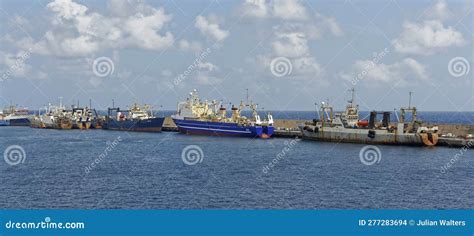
x,y
295,16
329,23
369,72
289,10
191,46
292,45
77,31
427,38
15,65
282,9
207,73
255,8
291,36
430,35
143,30
439,11
66,9
207,66
210,29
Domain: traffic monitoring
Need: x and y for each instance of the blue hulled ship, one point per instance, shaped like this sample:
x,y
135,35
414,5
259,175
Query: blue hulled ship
x,y
204,118
135,119
15,117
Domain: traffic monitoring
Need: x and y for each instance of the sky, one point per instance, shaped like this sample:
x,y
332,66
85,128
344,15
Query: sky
x,y
289,54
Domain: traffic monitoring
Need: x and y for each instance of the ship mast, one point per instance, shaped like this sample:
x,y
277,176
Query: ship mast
x,y
60,102
409,99
247,95
351,102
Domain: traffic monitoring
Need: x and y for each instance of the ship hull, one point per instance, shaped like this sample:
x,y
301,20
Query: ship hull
x,y
81,125
148,125
4,123
363,136
23,121
195,127
37,124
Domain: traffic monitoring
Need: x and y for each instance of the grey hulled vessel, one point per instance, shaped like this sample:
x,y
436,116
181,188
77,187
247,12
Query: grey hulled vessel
x,y
346,127
54,117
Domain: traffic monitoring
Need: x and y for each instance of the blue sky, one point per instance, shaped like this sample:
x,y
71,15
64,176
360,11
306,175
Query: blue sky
x,y
289,54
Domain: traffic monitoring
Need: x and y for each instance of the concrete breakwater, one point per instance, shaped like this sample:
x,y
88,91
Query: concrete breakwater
x,y
453,135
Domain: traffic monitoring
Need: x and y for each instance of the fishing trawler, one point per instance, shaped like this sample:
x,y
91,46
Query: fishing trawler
x,y
135,119
54,117
13,116
203,118
84,118
346,127
81,118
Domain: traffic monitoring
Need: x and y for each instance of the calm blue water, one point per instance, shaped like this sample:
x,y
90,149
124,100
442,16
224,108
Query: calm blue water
x,y
146,171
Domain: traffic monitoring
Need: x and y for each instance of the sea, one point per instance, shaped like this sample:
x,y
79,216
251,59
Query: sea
x,y
99,169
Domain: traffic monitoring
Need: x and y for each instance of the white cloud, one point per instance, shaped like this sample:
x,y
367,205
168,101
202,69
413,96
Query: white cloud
x,y
289,10
418,69
427,38
67,9
282,9
120,8
307,67
295,16
397,73
210,29
207,73
143,30
292,44
329,23
439,11
15,65
255,8
192,46
77,31
207,66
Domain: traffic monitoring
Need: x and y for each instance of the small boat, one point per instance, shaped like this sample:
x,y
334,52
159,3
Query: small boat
x,y
135,119
204,118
